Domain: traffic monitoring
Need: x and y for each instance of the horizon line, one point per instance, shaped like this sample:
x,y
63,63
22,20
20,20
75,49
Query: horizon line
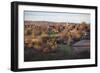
x,y
55,21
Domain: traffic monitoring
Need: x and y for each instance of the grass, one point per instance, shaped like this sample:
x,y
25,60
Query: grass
x,y
61,52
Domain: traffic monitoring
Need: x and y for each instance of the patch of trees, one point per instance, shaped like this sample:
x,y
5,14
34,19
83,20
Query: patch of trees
x,y
47,38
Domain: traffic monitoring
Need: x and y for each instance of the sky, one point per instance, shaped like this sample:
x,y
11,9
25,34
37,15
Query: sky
x,y
56,16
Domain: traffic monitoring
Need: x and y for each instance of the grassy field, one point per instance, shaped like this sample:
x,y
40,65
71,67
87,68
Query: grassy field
x,y
61,52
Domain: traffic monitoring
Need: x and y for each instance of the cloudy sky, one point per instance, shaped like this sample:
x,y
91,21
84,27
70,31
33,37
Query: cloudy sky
x,y
56,16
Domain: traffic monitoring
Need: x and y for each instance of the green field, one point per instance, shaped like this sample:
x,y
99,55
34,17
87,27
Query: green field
x,y
61,52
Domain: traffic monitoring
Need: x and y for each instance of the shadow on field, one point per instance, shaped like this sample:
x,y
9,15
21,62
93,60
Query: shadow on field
x,y
62,52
